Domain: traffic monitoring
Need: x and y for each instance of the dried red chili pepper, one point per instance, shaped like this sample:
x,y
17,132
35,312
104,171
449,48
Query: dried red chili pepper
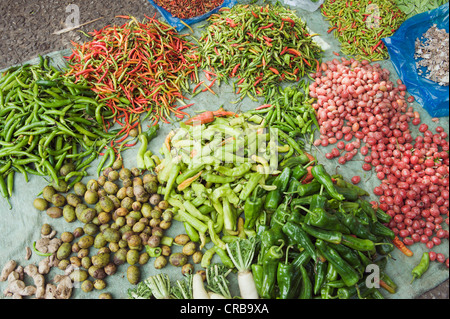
x,y
185,9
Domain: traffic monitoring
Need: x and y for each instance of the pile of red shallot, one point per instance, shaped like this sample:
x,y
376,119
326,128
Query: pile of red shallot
x,y
360,110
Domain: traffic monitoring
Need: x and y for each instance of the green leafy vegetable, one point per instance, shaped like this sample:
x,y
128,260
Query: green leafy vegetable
x,y
411,8
142,291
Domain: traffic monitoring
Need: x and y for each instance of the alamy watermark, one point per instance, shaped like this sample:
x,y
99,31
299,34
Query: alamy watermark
x,y
73,18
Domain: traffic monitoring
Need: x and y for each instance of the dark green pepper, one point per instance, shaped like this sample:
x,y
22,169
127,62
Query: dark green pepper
x,y
252,210
362,216
350,256
304,200
340,182
330,236
348,274
292,162
382,216
359,244
4,190
336,284
306,287
379,229
318,201
299,236
152,132
299,172
319,217
375,294
365,260
349,292
273,236
262,224
257,272
309,189
355,226
294,184
270,261
302,259
332,274
320,175
320,274
348,193
344,206
296,217
274,197
386,248
288,279
368,209
281,214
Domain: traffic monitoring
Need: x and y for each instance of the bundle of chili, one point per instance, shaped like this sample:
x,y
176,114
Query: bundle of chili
x,y
186,9
260,46
360,25
136,68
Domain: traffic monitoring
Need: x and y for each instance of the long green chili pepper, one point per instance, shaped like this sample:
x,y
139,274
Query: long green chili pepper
x,y
44,116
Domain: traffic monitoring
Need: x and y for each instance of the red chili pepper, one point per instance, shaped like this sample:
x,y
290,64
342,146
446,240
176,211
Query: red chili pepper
x,y
294,51
233,72
401,246
306,62
331,29
266,27
196,87
264,106
288,20
274,70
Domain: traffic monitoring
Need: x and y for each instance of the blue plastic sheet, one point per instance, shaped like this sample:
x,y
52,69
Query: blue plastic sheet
x,y
433,97
176,22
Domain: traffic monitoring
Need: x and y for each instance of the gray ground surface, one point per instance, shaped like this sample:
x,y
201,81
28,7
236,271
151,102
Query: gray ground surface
x,y
26,28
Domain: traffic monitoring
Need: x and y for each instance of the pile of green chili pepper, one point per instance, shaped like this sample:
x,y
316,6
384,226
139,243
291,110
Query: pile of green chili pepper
x,y
290,111
360,25
46,122
259,46
318,239
213,173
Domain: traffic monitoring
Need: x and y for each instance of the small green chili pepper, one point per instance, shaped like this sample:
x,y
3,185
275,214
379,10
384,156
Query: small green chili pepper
x,y
422,267
319,173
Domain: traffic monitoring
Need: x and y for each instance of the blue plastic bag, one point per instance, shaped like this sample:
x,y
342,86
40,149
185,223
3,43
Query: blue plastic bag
x,y
433,97
175,22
